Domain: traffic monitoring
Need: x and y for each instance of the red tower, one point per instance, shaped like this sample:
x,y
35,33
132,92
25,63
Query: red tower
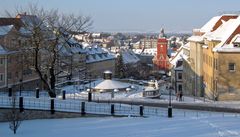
x,y
160,60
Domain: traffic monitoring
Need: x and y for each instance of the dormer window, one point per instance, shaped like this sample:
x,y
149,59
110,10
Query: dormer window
x,y
236,45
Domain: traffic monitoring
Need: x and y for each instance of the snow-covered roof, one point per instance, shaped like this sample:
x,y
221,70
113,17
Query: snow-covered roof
x,y
173,54
180,68
70,47
30,20
149,51
185,57
205,46
236,39
210,24
64,51
5,29
224,31
96,53
24,30
111,84
2,50
226,48
129,56
178,56
222,34
195,38
186,46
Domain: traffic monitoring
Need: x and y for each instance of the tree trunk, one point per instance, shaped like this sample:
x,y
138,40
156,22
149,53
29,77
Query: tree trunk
x,y
50,92
52,80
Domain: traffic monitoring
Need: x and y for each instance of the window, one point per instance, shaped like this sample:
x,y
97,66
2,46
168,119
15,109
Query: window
x,y
231,67
180,88
179,75
1,77
1,61
236,45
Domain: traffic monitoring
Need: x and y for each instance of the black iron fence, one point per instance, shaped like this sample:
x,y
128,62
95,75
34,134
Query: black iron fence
x,y
84,107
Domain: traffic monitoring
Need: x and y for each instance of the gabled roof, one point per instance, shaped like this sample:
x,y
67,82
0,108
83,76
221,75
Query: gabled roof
x,y
229,47
210,24
217,21
177,57
11,21
129,56
29,20
224,31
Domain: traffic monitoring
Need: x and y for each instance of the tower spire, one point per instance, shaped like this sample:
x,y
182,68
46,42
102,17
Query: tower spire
x,y
162,34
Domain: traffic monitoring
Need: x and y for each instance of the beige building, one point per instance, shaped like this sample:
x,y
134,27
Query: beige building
x,y
193,65
221,55
16,66
148,43
207,65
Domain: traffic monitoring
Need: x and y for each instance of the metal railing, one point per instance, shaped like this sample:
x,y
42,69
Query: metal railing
x,y
103,108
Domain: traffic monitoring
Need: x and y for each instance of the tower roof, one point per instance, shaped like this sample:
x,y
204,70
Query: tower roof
x,y
162,34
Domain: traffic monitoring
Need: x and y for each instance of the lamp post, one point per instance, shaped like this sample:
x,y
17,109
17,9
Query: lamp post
x,y
170,102
90,90
215,91
89,94
193,88
204,88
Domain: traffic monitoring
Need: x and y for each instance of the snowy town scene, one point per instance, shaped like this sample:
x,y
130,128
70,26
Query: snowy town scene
x,y
119,68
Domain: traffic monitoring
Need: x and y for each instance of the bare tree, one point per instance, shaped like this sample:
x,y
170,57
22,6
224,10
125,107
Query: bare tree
x,y
48,30
13,115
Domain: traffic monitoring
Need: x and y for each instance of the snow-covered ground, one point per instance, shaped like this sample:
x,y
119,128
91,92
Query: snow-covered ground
x,y
185,123
214,126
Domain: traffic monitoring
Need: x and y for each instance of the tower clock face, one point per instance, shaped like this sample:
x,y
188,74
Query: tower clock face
x,y
161,46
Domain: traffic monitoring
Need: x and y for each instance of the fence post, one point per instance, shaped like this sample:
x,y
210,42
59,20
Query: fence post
x,y
37,92
112,109
83,108
21,109
89,96
63,94
169,111
141,110
9,92
52,106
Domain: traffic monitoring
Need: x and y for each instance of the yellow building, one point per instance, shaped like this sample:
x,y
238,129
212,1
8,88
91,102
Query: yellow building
x,y
199,58
221,54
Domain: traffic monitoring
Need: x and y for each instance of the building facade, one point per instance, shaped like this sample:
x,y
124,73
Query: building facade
x,y
211,63
161,60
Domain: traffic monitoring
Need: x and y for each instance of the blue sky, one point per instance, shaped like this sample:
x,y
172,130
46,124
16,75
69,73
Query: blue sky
x,y
137,15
